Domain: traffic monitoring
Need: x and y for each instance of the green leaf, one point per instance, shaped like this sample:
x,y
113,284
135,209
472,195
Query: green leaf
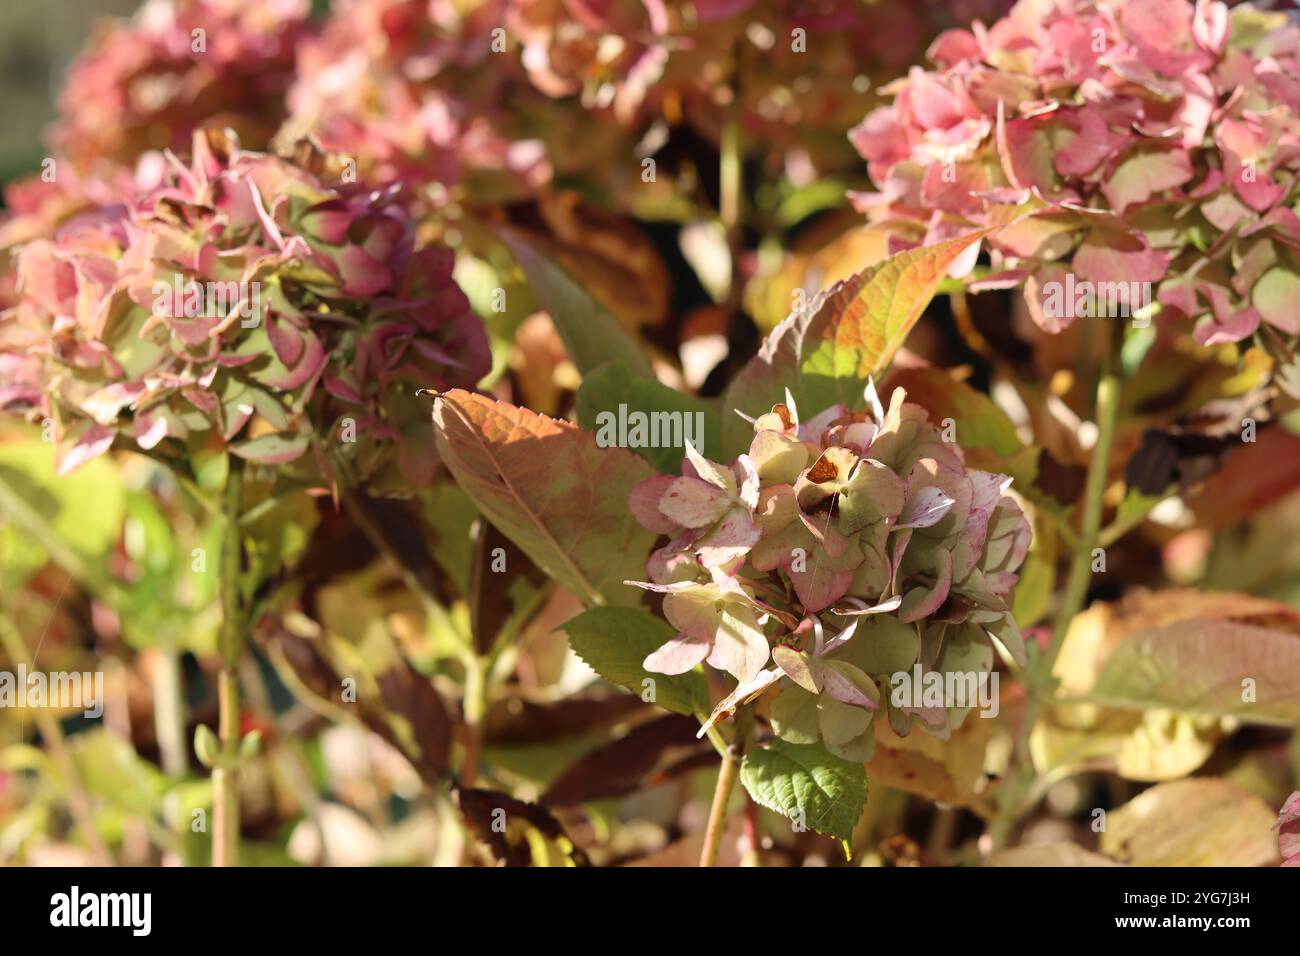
x,y
273,449
74,518
551,489
449,514
84,508
825,353
590,334
615,640
1275,294
807,784
612,387
206,746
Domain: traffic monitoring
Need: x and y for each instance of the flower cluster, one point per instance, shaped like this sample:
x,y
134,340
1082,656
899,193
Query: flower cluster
x,y
406,89
868,517
150,83
244,300
520,91
1161,137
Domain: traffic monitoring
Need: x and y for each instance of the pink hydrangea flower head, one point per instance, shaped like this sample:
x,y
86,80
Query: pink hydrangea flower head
x,y
177,66
1161,137
250,302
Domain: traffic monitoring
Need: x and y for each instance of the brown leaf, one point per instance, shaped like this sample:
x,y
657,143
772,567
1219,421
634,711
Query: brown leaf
x,y
950,771
1198,822
622,767
501,579
1253,475
521,723
1187,649
547,485
494,819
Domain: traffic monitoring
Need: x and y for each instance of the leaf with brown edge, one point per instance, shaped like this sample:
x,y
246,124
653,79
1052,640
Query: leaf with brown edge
x,y
551,489
501,822
825,352
1189,651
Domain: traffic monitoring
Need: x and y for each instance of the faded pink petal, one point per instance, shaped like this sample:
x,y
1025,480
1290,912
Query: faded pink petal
x,y
677,656
693,503
643,501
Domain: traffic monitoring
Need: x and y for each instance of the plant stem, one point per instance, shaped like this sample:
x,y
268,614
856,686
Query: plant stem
x,y
1076,588
727,775
474,707
731,193
753,855
169,710
225,775
1017,788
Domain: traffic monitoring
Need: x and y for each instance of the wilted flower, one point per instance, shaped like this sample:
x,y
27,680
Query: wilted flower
x,y
1161,136
870,518
244,301
178,66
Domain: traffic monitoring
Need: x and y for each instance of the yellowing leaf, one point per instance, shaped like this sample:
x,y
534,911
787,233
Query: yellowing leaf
x,y
947,770
1199,822
1209,653
551,489
1151,745
825,352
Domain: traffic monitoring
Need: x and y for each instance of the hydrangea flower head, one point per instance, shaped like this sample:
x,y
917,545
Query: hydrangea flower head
x,y
865,521
177,66
245,302
1161,134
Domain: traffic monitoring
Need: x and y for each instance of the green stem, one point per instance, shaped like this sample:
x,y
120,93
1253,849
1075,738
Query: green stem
x,y
225,775
1076,588
1019,785
731,193
474,707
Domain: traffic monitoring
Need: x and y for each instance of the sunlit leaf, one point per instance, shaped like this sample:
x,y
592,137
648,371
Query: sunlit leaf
x,y
547,485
